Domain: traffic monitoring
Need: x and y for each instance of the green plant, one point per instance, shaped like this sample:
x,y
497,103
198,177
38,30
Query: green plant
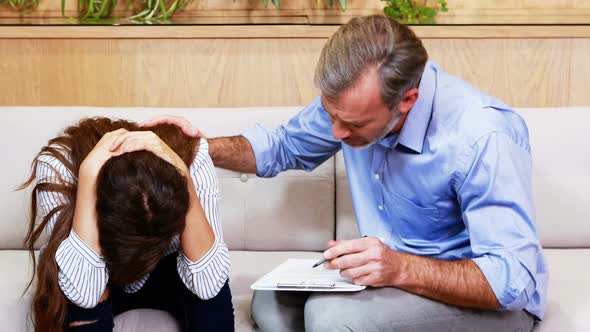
x,y
143,10
412,10
277,4
21,5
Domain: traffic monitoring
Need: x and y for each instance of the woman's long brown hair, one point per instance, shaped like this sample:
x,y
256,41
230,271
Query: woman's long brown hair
x,y
49,307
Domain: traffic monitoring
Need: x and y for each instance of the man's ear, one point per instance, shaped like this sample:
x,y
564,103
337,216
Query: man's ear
x,y
410,98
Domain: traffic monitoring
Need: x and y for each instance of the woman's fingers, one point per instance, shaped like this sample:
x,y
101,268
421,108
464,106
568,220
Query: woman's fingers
x,y
133,142
117,142
147,141
124,137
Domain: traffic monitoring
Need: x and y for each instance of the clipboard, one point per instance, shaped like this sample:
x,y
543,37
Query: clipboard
x,y
298,275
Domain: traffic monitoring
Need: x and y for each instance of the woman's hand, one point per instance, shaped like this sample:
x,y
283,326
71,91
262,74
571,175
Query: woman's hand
x,y
101,152
148,141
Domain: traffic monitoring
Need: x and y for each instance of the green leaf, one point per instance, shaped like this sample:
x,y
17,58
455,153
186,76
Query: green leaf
x,y
90,9
163,8
265,2
427,11
101,10
388,11
140,14
342,4
277,3
111,8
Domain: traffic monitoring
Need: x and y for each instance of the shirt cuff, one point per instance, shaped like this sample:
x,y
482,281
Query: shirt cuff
x,y
259,139
509,280
85,250
202,263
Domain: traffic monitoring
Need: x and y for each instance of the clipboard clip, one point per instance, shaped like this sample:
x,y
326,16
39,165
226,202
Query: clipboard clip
x,y
306,285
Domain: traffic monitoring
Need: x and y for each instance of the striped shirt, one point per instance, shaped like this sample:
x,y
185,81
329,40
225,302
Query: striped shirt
x,y
83,274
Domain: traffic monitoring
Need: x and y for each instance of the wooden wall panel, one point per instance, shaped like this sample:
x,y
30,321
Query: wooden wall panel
x,y
265,72
20,74
175,73
580,73
522,72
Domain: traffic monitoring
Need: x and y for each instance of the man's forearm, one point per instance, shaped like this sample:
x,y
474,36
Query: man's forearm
x,y
459,283
234,153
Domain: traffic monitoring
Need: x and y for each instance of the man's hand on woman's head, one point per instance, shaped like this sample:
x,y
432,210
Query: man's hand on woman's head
x,y
146,140
187,127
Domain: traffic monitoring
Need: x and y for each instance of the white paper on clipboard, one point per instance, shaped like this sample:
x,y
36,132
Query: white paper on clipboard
x,y
298,275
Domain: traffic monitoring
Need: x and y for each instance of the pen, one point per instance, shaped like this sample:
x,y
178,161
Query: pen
x,y
320,262
323,260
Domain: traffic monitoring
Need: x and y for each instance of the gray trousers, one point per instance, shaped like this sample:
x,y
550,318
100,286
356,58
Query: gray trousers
x,y
376,309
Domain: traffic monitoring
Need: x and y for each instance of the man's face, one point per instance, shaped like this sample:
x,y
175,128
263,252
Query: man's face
x,y
359,115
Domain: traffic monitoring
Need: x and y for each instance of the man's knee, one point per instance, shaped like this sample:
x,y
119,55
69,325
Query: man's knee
x,y
322,314
278,311
262,311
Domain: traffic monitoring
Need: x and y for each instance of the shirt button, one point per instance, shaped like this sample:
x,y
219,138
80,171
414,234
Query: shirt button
x,y
376,176
380,207
244,177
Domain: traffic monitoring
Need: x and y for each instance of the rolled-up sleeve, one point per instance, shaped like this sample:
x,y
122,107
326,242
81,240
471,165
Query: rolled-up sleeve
x,y
82,275
304,142
497,208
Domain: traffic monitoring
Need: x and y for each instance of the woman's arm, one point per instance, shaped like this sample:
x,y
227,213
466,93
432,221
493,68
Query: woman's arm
x,y
204,262
82,275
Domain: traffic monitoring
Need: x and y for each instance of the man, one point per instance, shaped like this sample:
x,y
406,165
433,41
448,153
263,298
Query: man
x,y
440,176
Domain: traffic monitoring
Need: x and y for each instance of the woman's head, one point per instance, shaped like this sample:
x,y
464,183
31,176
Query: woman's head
x,y
141,205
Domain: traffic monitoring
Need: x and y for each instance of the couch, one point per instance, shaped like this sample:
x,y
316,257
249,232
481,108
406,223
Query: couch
x,y
266,221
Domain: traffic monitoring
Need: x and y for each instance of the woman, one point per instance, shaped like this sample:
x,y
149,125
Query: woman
x,y
133,222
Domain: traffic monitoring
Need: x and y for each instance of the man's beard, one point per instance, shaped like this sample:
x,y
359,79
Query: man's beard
x,y
390,125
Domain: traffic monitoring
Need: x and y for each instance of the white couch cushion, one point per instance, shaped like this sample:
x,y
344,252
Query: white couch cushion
x,y
294,211
568,299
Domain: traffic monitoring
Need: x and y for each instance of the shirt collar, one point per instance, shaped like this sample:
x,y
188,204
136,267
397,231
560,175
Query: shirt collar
x,y
411,137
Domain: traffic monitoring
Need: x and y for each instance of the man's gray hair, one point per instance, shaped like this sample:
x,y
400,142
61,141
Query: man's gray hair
x,y
372,42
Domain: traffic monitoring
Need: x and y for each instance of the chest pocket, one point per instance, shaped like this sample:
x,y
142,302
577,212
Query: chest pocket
x,y
415,225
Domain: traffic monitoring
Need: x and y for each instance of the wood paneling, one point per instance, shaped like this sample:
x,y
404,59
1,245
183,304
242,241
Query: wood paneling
x,y
580,73
175,73
265,72
523,72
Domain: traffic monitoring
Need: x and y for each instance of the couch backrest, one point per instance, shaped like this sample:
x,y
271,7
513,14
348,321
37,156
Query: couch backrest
x,y
561,178
560,144
294,211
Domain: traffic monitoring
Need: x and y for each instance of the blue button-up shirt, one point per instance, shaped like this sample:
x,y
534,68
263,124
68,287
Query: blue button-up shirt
x,y
454,184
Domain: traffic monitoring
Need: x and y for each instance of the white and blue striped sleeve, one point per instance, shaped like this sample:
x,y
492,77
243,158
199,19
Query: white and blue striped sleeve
x,y
206,277
82,273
